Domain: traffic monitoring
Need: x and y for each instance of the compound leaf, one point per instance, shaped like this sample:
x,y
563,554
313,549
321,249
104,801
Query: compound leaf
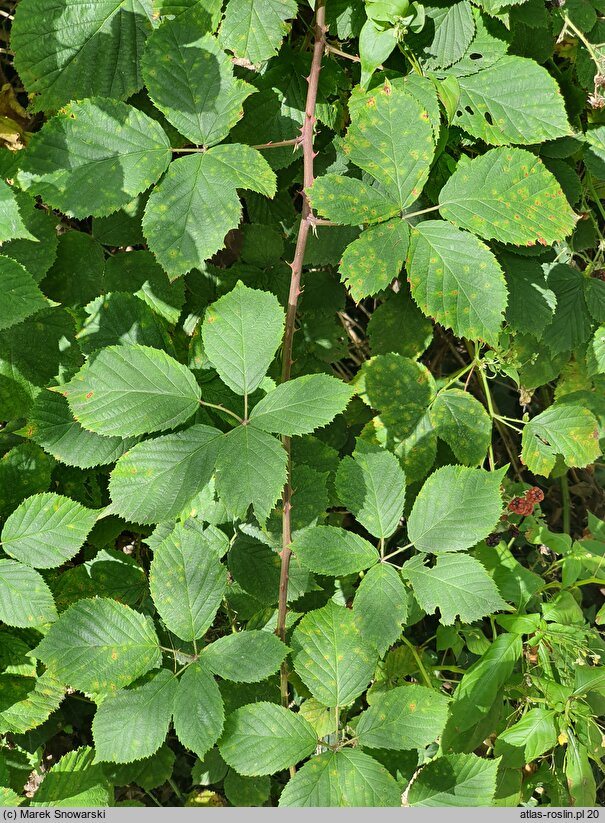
x,y
566,429
199,714
455,780
375,258
334,551
25,599
255,30
245,657
461,420
407,717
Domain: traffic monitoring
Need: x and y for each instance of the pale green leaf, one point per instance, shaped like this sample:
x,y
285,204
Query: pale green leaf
x,y
196,203
595,354
36,707
455,509
187,582
526,740
334,551
245,657
46,530
331,656
132,723
375,258
74,781
407,717
375,46
263,738
94,157
455,780
25,599
566,429
21,297
350,201
199,714
457,584
241,333
99,645
461,420
11,221
456,279
301,405
381,606
132,390
255,30
507,194
9,798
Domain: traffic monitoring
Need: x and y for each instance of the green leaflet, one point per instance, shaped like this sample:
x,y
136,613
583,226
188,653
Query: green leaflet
x,y
11,221
348,777
199,194
24,470
513,101
187,582
131,390
148,773
380,606
301,405
391,138
245,657
138,272
241,333
371,484
46,530
331,656
190,79
133,723
526,740
74,781
122,319
263,738
25,599
256,567
99,645
566,429
454,28
350,201
157,478
35,247
531,303
456,279
255,30
36,707
21,296
457,584
455,780
94,157
246,791
398,326
461,420
507,194
76,275
199,714
455,509
595,354
407,717
9,798
334,551
375,258
570,324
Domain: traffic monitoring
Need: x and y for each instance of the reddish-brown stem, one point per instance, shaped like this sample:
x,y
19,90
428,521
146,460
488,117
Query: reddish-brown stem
x,y
306,141
295,141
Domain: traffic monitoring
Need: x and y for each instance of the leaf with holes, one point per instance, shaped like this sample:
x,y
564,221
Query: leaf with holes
x,y
566,429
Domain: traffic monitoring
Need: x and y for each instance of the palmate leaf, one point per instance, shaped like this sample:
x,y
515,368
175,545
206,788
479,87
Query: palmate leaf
x,y
156,479
187,582
255,30
391,138
194,206
131,390
241,333
99,645
349,201
457,584
190,79
507,194
375,258
94,157
380,606
331,656
407,717
461,420
348,777
263,738
69,50
133,723
245,657
456,279
455,509
74,781
21,297
513,101
334,551
11,221
46,530
566,429
199,713
455,780
25,599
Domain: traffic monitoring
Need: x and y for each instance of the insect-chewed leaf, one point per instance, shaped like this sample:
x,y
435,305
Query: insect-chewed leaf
x,y
190,79
263,738
194,206
334,551
187,582
407,717
331,656
457,584
74,781
98,645
375,258
461,420
455,780
21,297
25,599
131,390
199,713
349,777
456,279
156,479
94,157
391,138
380,606
46,530
513,101
455,509
245,657
241,333
349,201
566,429
508,195
132,723
301,405
11,221
255,30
